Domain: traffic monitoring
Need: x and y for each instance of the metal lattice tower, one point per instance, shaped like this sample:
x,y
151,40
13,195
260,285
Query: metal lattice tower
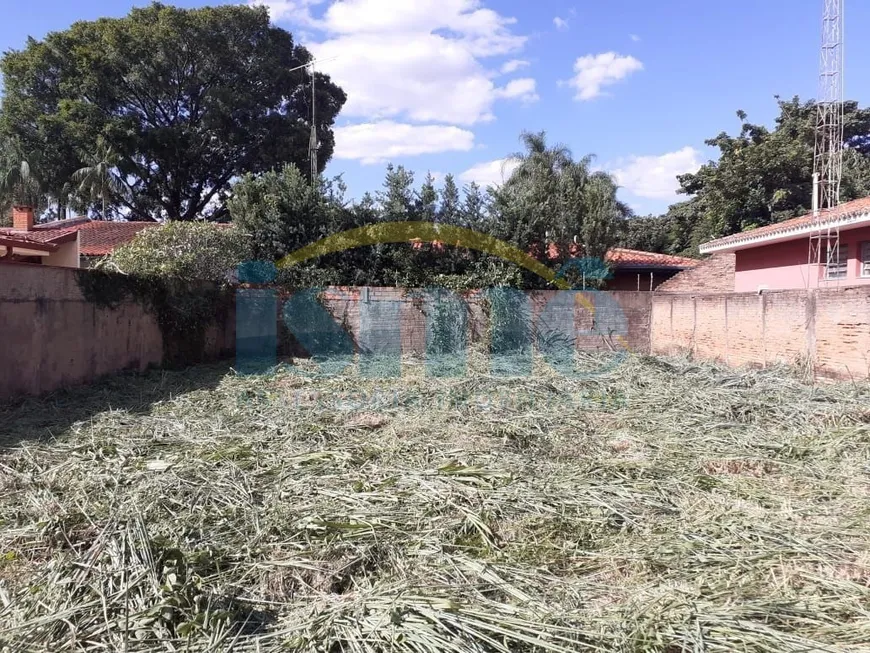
x,y
828,157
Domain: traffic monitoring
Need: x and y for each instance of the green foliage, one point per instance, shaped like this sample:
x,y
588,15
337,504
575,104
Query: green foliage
x,y
19,184
427,200
187,99
97,182
552,199
649,233
450,210
474,211
762,176
281,211
183,251
397,199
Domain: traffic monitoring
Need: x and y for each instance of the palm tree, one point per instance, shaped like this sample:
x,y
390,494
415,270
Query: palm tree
x,y
98,181
551,199
18,184
539,158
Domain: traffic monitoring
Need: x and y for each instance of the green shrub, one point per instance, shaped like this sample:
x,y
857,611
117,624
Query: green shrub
x,y
183,250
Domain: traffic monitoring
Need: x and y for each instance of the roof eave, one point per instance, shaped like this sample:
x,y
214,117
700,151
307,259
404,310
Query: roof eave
x,y
29,245
654,266
855,220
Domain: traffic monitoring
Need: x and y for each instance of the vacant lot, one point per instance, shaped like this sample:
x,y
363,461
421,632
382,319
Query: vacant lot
x,y
664,506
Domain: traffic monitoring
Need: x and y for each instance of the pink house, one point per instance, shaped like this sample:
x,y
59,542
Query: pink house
x,y
778,256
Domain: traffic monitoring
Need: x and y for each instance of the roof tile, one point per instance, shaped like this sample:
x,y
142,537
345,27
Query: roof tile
x,y
98,237
619,256
849,209
53,236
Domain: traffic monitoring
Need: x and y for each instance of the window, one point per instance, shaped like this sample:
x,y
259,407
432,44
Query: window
x,y
837,261
865,259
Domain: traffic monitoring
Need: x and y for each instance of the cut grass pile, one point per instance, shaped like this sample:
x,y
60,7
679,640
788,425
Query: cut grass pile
x,y
665,506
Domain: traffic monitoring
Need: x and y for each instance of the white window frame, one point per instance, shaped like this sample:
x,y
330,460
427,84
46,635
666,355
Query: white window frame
x,y
841,266
865,260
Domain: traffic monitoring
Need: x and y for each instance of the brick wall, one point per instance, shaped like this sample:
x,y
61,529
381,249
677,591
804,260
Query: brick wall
x,y
52,336
604,320
828,328
713,275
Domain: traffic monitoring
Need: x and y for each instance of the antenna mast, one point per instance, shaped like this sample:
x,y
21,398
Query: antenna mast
x,y
828,157
313,143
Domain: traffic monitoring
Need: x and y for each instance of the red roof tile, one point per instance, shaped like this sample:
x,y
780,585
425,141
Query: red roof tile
x,y
633,258
99,238
855,209
50,237
620,257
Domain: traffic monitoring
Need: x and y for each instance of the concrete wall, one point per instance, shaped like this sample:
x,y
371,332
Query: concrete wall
x,y
51,337
829,329
785,266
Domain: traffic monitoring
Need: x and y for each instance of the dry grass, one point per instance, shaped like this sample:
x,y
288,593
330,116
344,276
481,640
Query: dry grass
x,y
663,507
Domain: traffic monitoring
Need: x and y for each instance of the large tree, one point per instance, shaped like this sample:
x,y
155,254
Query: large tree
x,y
764,175
187,99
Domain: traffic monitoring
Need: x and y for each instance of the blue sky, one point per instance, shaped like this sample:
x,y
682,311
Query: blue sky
x,y
447,85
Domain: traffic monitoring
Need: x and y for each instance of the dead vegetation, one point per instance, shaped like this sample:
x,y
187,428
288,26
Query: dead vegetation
x,y
664,506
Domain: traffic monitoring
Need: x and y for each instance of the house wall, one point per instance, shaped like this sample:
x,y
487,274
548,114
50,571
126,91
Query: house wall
x,y
784,266
827,329
52,337
67,256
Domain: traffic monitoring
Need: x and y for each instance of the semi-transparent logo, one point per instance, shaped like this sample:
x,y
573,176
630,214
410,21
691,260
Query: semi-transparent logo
x,y
555,325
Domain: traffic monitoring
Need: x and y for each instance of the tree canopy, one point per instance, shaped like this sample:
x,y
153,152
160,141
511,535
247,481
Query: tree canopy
x,y
762,176
187,101
550,198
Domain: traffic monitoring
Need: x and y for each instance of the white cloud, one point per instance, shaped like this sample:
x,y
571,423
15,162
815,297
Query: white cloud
x,y
560,23
422,77
420,60
634,37
513,66
655,177
483,31
382,141
490,173
523,89
595,71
